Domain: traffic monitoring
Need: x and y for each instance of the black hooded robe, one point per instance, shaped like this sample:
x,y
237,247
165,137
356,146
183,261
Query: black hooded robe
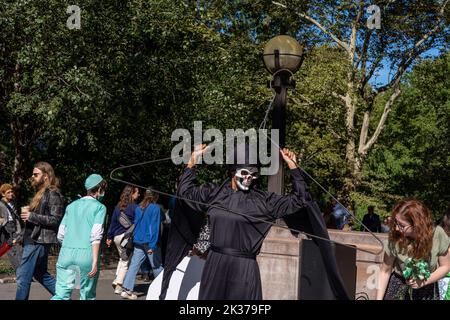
x,y
183,233
231,271
313,223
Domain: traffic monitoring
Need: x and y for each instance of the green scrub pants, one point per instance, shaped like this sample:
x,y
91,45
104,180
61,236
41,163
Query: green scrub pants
x,y
70,262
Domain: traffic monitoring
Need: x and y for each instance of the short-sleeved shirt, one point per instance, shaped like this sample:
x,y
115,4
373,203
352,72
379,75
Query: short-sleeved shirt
x,y
81,215
440,245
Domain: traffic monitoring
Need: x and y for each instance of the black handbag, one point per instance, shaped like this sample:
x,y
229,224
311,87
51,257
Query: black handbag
x,y
127,241
124,220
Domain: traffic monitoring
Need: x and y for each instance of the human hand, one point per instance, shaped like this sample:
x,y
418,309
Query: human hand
x,y
416,283
93,271
289,157
25,215
18,240
108,242
198,151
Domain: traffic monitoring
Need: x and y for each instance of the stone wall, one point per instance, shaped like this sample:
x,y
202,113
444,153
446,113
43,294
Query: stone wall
x,y
279,262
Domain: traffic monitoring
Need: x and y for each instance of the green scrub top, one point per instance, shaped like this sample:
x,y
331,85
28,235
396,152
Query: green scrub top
x,y
81,215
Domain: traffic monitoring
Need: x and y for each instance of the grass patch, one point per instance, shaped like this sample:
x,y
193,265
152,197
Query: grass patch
x,y
7,270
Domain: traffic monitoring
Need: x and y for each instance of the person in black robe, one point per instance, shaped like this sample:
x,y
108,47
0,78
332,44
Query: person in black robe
x,y
183,234
231,271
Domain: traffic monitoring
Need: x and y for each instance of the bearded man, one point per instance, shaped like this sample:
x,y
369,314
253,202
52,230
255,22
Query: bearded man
x,y
42,218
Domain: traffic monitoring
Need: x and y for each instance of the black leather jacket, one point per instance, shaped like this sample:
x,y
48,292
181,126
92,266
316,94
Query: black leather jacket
x,y
47,217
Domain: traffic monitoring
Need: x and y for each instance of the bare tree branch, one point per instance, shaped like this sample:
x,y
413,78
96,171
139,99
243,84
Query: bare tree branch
x,y
69,85
364,148
373,67
79,90
364,132
364,50
339,96
341,43
64,81
414,52
352,45
308,101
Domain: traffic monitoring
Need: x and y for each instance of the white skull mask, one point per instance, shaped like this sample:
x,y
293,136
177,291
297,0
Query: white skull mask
x,y
245,177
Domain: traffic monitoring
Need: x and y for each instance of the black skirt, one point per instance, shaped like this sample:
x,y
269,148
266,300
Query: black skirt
x,y
398,290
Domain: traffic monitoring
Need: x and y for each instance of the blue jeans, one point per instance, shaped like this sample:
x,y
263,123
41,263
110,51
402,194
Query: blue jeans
x,y
34,263
138,257
145,267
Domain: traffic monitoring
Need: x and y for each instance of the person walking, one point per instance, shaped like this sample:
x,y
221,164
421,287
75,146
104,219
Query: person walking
x,y
10,228
80,233
147,222
42,218
121,221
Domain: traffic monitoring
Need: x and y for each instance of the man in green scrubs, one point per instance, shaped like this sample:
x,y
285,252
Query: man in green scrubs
x,y
80,232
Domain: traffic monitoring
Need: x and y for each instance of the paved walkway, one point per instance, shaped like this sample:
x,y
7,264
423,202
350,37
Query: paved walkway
x,y
37,291
104,289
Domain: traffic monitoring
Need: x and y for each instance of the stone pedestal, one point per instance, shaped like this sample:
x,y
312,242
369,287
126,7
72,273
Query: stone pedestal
x,y
279,262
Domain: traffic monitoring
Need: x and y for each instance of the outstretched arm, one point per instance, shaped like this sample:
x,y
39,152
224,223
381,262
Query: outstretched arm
x,y
187,187
290,158
279,206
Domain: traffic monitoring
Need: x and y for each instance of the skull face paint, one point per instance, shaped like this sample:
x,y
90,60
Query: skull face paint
x,y
245,177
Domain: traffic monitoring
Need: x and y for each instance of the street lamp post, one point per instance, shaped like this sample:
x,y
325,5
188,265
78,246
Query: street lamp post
x,y
282,58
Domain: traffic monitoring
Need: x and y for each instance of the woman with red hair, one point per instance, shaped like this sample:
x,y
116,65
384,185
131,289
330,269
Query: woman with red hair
x,y
413,236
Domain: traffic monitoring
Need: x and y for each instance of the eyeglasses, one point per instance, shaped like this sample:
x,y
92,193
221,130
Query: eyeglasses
x,y
401,226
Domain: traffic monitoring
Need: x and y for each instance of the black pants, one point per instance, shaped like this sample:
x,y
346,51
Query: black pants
x,y
397,289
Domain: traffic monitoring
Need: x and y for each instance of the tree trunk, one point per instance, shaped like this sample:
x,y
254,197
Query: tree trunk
x,y
3,162
353,177
350,182
22,145
22,137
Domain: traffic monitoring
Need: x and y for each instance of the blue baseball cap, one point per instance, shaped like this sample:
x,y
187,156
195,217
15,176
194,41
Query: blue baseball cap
x,y
92,181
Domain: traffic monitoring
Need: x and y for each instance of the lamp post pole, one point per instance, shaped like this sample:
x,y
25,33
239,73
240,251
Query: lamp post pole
x,y
282,57
281,82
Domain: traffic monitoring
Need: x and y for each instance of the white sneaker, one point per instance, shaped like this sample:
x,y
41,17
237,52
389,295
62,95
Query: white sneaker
x,y
128,295
118,290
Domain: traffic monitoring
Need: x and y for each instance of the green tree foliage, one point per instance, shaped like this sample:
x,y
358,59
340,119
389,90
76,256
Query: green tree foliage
x,y
404,31
315,119
111,93
412,158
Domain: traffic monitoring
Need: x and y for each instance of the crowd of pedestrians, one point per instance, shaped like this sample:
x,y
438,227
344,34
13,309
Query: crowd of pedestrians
x,y
137,231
